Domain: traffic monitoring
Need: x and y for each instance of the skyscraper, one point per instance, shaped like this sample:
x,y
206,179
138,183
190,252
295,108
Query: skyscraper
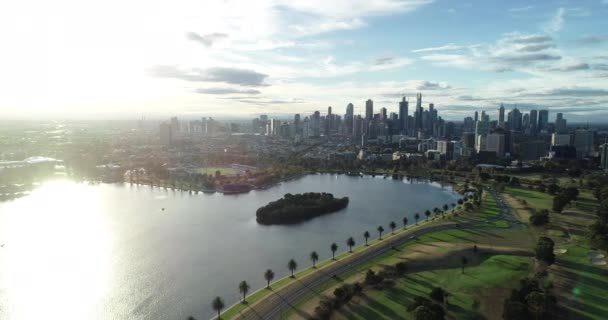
x,y
349,118
476,116
403,106
369,109
534,121
515,119
501,116
561,125
418,120
543,119
604,156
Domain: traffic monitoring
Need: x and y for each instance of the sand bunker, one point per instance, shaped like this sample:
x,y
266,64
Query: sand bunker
x,y
599,262
596,256
560,251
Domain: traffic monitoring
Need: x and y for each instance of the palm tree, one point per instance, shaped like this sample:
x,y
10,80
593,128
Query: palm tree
x,y
464,262
417,216
334,248
436,211
404,222
314,257
453,206
392,225
218,305
366,236
427,213
268,275
244,288
292,266
350,242
445,207
380,230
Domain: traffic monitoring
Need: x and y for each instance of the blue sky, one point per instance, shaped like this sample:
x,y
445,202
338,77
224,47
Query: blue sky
x,y
240,58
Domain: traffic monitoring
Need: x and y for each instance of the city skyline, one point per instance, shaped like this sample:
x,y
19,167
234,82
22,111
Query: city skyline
x,y
240,58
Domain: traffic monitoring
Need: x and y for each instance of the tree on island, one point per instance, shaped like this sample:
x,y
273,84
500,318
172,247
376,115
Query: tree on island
x,y
417,216
380,230
334,248
404,222
292,266
392,225
218,305
268,275
350,242
314,257
243,289
453,206
366,236
464,261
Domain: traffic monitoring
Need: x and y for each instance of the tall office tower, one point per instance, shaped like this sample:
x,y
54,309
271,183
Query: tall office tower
x,y
525,123
264,118
534,120
468,124
476,116
297,124
174,124
349,118
495,142
418,119
583,142
357,123
166,134
403,106
383,116
561,125
604,156
543,120
329,121
432,119
515,119
369,109
501,116
316,124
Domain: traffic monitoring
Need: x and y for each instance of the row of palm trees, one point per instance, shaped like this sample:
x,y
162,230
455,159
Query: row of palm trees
x,y
292,265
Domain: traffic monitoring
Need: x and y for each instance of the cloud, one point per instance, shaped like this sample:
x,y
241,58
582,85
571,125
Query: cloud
x,y
521,9
441,48
556,22
266,101
389,63
221,91
528,38
241,77
572,67
593,39
428,85
570,92
536,47
468,98
600,66
383,61
525,59
207,39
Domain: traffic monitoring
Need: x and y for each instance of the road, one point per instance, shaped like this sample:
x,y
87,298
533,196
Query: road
x,y
278,302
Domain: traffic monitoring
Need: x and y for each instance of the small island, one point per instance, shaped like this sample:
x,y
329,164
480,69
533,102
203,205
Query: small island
x,y
297,208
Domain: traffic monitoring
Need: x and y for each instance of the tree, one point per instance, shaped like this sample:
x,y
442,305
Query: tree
x,y
333,248
515,310
392,225
292,265
366,236
427,213
404,222
380,230
268,275
559,202
417,216
536,303
453,206
429,312
438,294
243,289
544,250
445,207
314,257
218,305
350,242
540,218
464,261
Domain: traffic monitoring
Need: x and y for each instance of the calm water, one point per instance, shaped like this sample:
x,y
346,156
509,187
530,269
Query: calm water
x,y
80,251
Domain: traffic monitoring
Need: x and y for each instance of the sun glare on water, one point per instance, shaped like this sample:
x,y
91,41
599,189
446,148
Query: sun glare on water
x,y
55,263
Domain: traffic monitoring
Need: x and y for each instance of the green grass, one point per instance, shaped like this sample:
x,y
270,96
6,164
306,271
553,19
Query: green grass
x,y
223,171
536,199
465,289
588,297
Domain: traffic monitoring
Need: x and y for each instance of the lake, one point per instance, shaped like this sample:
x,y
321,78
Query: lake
x,y
108,251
